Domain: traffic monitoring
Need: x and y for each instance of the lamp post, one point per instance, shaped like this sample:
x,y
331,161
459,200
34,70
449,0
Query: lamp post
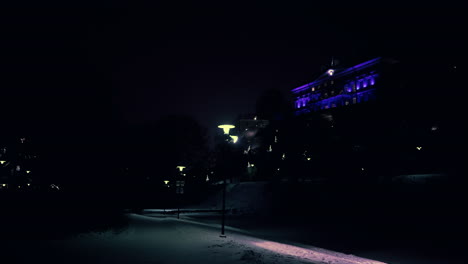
x,y
225,129
179,187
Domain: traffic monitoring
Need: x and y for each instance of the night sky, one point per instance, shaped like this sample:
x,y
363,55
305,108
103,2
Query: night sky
x,y
134,63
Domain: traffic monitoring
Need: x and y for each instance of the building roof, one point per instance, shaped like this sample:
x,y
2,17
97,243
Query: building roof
x,y
336,73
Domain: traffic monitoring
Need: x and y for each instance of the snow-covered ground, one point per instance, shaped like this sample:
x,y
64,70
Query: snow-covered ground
x,y
168,240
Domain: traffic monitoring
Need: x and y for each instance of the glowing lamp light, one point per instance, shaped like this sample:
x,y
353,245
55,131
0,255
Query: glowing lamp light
x,y
4,185
331,72
226,128
418,148
234,138
29,184
2,161
166,182
308,158
28,171
181,168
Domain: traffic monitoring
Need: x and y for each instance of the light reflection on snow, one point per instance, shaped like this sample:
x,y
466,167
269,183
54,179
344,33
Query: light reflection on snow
x,y
313,255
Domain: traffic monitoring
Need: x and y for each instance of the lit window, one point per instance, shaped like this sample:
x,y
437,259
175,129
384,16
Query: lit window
x,y
313,89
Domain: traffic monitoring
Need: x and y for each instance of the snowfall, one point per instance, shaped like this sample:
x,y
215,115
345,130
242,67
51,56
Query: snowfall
x,y
170,240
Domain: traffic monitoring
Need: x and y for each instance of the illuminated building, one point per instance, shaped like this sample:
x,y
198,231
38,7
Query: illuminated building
x,y
339,87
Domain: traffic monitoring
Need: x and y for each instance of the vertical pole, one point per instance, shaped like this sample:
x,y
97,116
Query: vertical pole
x,y
224,206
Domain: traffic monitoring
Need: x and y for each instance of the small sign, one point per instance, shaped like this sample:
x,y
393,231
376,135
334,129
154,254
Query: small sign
x,y
180,187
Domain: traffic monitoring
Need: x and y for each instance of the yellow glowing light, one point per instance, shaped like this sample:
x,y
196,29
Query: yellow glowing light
x,y
29,184
2,161
234,138
308,158
4,185
226,128
181,168
28,171
418,148
166,182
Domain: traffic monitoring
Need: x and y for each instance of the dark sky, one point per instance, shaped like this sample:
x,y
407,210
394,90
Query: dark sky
x,y
135,63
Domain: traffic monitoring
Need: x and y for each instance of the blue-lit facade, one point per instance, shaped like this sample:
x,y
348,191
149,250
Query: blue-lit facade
x,y
339,88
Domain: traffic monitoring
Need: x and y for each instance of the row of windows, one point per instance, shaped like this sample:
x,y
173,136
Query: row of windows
x,y
324,85
338,102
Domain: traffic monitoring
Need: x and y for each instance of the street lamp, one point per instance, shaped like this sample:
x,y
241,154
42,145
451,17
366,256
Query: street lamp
x,y
234,138
179,187
225,129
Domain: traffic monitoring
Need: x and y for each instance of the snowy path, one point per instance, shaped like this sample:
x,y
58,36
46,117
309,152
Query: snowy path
x,y
167,240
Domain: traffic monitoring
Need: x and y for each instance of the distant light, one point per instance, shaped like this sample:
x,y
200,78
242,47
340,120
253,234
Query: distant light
x,y
454,66
166,182
284,156
362,168
434,128
270,149
4,185
28,171
2,161
19,186
255,118
330,72
308,158
29,184
234,138
276,139
250,164
181,168
226,128
278,168
418,148
207,178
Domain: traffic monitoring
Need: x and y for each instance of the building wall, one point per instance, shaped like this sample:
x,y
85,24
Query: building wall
x,y
339,88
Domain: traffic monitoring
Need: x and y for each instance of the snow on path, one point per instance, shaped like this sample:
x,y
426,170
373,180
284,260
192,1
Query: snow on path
x,y
159,241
